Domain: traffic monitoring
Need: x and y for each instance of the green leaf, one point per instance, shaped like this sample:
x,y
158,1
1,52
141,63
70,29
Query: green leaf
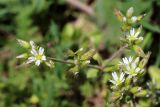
x,y
86,89
92,73
88,55
70,53
135,89
155,73
142,93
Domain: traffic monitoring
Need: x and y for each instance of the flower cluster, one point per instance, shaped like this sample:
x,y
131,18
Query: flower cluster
x,y
35,54
128,20
129,67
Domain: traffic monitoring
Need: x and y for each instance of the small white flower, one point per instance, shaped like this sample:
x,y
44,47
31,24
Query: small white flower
x,y
117,80
36,56
133,35
131,66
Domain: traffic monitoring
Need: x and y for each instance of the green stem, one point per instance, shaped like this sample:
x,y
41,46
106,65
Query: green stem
x,y
117,53
72,63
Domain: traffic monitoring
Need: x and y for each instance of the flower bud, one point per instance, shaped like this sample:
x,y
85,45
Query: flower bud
x,y
24,55
23,43
50,64
130,12
119,15
141,17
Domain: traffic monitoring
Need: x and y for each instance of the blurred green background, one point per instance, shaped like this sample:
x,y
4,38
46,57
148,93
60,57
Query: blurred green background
x,y
58,25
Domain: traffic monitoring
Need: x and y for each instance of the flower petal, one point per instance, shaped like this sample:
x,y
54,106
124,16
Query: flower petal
x,y
134,19
43,57
132,32
33,51
133,65
41,50
122,76
137,69
32,44
130,59
37,62
136,60
112,81
140,38
115,77
30,60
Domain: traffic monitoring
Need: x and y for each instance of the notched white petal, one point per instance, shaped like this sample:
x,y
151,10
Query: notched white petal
x,y
37,62
137,69
41,50
43,57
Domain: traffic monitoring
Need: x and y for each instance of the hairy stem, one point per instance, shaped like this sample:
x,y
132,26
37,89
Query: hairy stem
x,y
72,63
117,53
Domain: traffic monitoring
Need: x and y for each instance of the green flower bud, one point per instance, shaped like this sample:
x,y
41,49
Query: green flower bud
x,y
135,89
23,43
119,15
139,18
24,55
50,64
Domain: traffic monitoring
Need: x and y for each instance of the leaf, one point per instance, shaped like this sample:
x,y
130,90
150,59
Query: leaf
x,y
92,73
116,96
86,89
142,93
70,53
154,72
88,55
135,89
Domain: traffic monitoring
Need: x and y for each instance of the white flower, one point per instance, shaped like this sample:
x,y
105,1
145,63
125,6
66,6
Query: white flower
x,y
131,66
36,56
133,35
117,80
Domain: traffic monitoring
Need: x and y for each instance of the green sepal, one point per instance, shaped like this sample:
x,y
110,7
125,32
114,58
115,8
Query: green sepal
x,y
135,89
138,50
142,93
88,55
